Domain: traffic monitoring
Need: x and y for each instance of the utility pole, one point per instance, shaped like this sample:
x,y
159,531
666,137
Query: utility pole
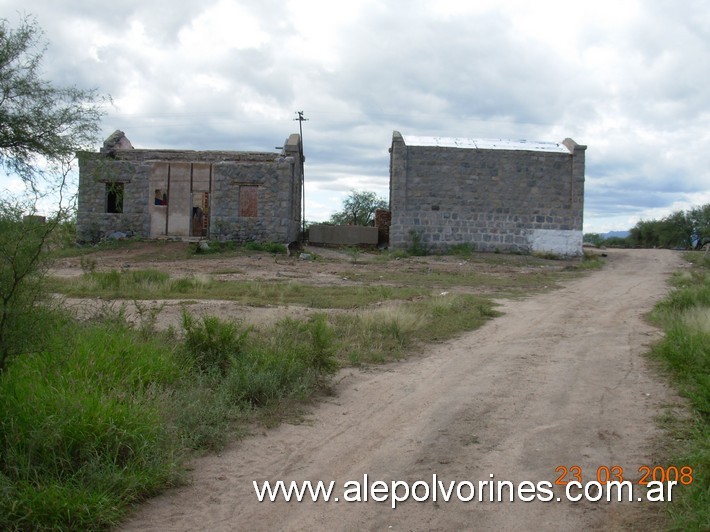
x,y
301,119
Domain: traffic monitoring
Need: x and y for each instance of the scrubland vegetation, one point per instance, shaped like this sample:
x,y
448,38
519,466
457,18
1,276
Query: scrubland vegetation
x,y
689,229
99,414
685,352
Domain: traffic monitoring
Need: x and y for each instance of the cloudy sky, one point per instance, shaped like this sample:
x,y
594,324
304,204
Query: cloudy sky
x,y
627,78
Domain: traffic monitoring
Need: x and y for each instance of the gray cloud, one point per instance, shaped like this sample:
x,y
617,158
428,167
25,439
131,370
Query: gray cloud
x,y
626,79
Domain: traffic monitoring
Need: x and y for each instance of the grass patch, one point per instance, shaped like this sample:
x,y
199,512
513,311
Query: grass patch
x,y
462,250
590,261
81,434
504,275
286,363
213,247
69,248
152,284
685,352
105,416
102,415
532,280
385,333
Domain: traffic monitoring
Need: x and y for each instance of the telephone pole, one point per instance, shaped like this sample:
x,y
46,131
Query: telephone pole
x,y
301,119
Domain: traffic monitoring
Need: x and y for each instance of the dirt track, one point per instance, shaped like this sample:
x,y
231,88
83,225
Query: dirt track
x,y
558,380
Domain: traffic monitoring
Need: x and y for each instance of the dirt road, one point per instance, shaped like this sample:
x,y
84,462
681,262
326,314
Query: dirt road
x,y
559,380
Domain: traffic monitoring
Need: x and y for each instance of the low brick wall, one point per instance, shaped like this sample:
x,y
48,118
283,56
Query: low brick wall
x,y
342,235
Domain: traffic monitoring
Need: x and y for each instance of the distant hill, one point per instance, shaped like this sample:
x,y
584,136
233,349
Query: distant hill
x,y
599,239
611,234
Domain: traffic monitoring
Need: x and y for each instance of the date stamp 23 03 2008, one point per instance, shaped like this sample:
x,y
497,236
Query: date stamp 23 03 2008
x,y
658,482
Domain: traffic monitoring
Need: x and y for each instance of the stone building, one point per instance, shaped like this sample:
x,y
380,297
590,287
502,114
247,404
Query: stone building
x,y
226,195
515,196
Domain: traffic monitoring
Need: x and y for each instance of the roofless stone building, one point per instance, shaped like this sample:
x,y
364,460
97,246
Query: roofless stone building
x,y
228,195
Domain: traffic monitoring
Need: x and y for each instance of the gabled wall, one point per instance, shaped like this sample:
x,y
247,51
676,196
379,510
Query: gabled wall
x,y
227,195
493,199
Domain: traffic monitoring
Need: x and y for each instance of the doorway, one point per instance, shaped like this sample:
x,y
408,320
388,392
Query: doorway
x,y
180,199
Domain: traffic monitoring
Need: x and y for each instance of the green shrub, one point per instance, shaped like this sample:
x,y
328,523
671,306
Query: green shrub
x,y
23,257
131,280
416,247
214,246
102,417
290,360
110,280
382,333
194,284
147,277
212,344
320,345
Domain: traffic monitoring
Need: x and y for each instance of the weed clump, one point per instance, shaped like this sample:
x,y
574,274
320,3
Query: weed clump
x,y
212,344
416,247
465,249
269,247
289,361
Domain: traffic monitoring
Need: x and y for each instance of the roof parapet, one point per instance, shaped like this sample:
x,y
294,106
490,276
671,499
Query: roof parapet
x,y
486,144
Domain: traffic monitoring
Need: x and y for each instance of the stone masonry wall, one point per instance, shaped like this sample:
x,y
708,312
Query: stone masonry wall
x,y
93,222
277,179
507,200
278,201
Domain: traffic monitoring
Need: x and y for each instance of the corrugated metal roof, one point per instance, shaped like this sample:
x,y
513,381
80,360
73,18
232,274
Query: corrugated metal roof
x,y
486,144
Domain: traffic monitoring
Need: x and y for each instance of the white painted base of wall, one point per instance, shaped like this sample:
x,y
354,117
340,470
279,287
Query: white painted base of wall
x,y
563,243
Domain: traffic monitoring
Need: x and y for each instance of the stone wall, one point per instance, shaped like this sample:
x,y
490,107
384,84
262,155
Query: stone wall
x,y
277,205
342,235
246,195
494,199
95,173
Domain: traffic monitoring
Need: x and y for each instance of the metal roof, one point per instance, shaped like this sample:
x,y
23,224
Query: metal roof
x,y
486,144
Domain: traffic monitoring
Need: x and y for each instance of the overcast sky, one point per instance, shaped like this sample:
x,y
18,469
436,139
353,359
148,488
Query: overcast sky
x,y
627,78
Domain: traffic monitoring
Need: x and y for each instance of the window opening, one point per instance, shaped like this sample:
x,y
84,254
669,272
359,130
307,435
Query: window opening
x,y
200,213
114,198
161,197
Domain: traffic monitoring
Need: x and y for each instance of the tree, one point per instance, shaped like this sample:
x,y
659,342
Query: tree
x,y
23,243
644,234
681,229
594,238
41,126
676,231
41,129
359,209
700,220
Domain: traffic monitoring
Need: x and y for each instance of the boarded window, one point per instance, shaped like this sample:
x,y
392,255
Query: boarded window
x,y
114,198
248,200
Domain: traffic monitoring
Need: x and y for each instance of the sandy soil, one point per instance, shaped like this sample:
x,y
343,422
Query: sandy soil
x,y
332,267
558,380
